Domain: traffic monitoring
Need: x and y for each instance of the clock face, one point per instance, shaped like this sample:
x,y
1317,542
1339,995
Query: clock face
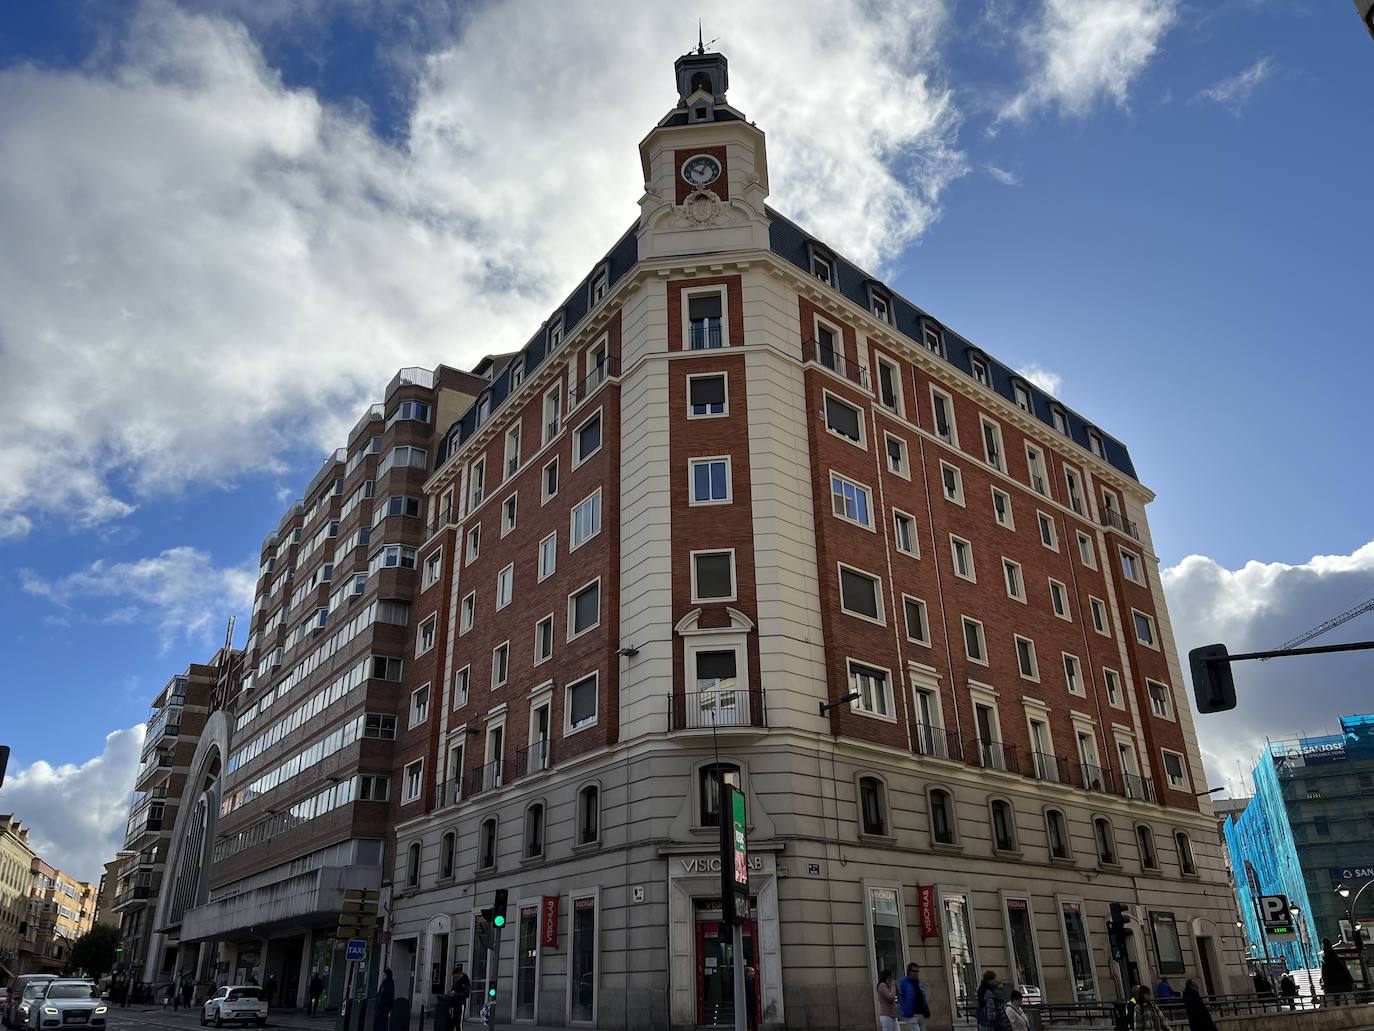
x,y
700,171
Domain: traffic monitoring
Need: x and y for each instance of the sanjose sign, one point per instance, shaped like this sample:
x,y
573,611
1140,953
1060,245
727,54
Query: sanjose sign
x,y
1352,875
711,864
1322,749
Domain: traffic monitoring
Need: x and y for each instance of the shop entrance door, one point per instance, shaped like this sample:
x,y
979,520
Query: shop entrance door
x,y
716,963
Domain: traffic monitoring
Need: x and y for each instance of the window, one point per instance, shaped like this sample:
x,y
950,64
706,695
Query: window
x,y
821,269
517,372
1145,842
942,408
587,440
543,640
508,514
1099,614
411,411
1159,699
952,483
1144,628
413,864
896,455
1025,658
1185,853
477,476
550,483
889,385
1095,444
380,725
584,609
843,419
1087,552
825,347
425,639
474,544
1059,600
933,340
962,553
978,369
917,626
1011,573
873,689
534,831
505,585
486,847
393,556
461,680
512,450
467,612
597,367
419,706
1106,841
992,443
1130,567
1073,676
548,556
1022,396
1049,532
434,565
941,817
414,780
586,520
975,647
1003,826
396,505
872,807
904,534
500,664
447,847
553,414
850,501
1111,682
600,284
879,305
704,321
588,815
860,594
1075,497
706,396
580,704
1174,770
1035,467
713,576
1061,421
1001,509
710,480
709,779
1057,832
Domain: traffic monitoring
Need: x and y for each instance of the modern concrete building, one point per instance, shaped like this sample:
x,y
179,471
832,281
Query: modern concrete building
x,y
16,885
739,509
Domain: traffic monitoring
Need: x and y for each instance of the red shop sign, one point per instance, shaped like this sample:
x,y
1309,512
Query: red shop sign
x,y
930,925
548,922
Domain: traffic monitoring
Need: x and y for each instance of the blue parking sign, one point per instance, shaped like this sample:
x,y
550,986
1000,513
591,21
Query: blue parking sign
x,y
356,950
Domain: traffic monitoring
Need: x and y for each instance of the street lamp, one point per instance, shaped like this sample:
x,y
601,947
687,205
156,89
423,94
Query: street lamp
x,y
1350,906
1302,941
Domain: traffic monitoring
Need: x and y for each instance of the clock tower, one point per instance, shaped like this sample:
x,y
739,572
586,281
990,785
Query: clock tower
x,y
705,169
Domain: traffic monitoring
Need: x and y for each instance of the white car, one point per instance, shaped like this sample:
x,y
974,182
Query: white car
x,y
64,1003
244,1004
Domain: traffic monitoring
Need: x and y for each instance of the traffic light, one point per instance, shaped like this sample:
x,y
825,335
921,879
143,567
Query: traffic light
x,y
1118,931
498,909
1214,688
484,930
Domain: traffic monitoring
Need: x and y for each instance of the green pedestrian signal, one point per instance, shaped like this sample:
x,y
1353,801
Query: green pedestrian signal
x,y
491,992
498,909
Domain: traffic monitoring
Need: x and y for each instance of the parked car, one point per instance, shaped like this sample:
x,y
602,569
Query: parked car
x,y
10,1003
244,1004
67,1002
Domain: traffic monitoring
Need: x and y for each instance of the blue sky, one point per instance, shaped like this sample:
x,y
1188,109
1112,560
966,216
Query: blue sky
x,y
228,223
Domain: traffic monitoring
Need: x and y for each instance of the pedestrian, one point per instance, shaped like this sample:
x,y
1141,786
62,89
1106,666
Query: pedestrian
x,y
751,998
314,992
991,1011
1263,986
270,989
386,995
1288,989
188,991
887,1001
1336,978
1016,1016
1195,1009
462,988
1164,990
1147,1014
913,1006
173,992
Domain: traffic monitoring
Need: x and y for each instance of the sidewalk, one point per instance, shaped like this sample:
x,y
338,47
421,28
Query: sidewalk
x,y
299,1020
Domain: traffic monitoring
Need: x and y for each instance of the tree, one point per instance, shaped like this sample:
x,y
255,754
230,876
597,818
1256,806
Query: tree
x,y
94,951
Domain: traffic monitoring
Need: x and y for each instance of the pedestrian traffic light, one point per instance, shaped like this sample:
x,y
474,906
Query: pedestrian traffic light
x,y
1214,688
491,991
498,908
484,930
1117,931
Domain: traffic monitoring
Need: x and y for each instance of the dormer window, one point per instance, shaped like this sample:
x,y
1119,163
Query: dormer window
x,y
978,369
1021,395
701,113
517,372
556,332
1095,443
933,340
1061,421
601,282
822,269
880,305
483,408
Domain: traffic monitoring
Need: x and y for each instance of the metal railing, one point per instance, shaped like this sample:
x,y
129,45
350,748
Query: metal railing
x,y
601,372
1111,517
532,759
1095,778
1038,484
1050,768
716,707
928,739
835,361
1138,787
994,755
484,778
702,336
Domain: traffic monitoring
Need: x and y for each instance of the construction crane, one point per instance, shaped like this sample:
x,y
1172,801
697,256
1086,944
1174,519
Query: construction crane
x,y
1329,625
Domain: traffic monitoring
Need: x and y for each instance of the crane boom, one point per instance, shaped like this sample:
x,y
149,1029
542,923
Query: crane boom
x,y
1329,625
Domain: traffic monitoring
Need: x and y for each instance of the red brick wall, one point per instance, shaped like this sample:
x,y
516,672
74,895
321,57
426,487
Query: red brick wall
x,y
721,187
734,310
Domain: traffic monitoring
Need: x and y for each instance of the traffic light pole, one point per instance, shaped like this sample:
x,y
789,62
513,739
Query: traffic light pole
x,y
1214,688
493,974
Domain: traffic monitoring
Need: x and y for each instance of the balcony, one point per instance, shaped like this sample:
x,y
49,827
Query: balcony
x,y
484,778
1095,778
835,361
929,740
1050,768
1136,787
132,893
1038,484
1111,517
717,709
162,763
532,759
412,377
601,372
994,755
444,519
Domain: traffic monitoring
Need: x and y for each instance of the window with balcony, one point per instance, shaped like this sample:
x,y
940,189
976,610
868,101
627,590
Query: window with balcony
x,y
553,413
704,322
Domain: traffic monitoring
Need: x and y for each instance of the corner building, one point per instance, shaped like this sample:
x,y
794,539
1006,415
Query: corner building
x,y
732,480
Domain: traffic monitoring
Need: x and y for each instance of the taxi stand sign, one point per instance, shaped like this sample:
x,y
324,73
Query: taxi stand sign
x,y
734,856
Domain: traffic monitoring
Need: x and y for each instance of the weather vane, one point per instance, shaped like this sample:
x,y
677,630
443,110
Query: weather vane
x,y
701,47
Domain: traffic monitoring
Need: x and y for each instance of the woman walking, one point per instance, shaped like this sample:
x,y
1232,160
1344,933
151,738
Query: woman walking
x,y
887,1001
1195,1009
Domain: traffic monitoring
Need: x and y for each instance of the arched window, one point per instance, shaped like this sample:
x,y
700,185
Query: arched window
x,y
413,864
446,849
1057,831
1185,853
702,81
1003,826
534,831
486,853
1106,840
588,815
941,816
872,806
1146,841
708,784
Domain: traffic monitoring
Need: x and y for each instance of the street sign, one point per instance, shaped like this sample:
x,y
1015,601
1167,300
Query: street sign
x,y
356,950
1278,918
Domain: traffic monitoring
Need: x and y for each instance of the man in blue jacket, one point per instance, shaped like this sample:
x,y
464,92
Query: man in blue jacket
x,y
912,1003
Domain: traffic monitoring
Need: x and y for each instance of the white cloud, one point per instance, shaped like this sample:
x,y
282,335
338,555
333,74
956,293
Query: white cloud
x,y
76,814
215,268
1234,92
1085,51
1003,176
181,590
1258,607
1046,380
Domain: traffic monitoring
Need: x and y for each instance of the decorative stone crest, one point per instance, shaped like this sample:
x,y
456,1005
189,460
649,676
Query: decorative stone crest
x,y
702,208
